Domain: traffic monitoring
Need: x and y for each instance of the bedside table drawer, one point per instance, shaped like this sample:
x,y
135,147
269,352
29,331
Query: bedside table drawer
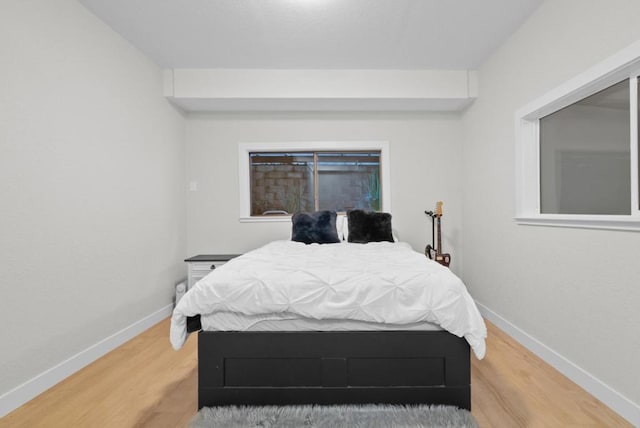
x,y
200,266
199,270
204,266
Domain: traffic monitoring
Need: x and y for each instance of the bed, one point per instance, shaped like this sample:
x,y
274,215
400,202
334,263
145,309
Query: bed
x,y
296,323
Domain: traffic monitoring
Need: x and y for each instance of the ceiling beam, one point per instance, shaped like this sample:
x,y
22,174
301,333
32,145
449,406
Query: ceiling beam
x,y
320,90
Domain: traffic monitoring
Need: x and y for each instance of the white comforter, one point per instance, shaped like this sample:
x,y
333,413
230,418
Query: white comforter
x,y
378,282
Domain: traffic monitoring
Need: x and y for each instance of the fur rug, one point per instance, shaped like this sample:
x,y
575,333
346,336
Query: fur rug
x,y
365,416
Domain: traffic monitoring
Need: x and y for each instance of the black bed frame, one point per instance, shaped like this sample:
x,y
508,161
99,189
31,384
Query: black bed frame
x,y
398,367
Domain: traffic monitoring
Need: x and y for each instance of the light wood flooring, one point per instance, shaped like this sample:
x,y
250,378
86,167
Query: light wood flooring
x,y
145,383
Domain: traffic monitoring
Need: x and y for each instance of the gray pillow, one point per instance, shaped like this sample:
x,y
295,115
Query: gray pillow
x,y
318,227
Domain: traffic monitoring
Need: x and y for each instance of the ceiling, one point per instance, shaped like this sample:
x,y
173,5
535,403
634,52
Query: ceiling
x,y
315,34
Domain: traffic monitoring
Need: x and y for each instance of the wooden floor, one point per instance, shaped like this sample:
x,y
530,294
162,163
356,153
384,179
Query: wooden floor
x,y
144,383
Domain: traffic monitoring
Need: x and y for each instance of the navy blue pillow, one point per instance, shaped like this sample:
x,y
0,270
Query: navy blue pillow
x,y
315,228
369,226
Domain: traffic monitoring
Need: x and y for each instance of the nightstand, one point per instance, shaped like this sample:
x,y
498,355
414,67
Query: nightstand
x,y
199,266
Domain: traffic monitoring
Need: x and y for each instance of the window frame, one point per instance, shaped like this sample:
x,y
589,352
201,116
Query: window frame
x,y
623,65
245,148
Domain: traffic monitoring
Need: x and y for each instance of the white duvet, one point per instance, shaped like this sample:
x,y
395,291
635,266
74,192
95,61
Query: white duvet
x,y
380,282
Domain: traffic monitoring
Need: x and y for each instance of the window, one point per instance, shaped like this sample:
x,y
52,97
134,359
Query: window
x,y
277,180
577,150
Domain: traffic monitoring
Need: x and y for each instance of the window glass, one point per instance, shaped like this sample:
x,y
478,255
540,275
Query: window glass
x,y
348,181
287,182
281,183
585,155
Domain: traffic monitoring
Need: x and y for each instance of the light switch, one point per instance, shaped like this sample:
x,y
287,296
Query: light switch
x,y
193,186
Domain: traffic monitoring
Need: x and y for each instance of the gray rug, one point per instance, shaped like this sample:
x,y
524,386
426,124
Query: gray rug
x,y
366,416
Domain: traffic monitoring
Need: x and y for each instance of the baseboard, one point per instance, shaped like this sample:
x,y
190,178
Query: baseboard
x,y
19,395
603,392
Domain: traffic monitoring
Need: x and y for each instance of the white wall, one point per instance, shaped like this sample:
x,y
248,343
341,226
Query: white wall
x,y
92,200
575,290
425,167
